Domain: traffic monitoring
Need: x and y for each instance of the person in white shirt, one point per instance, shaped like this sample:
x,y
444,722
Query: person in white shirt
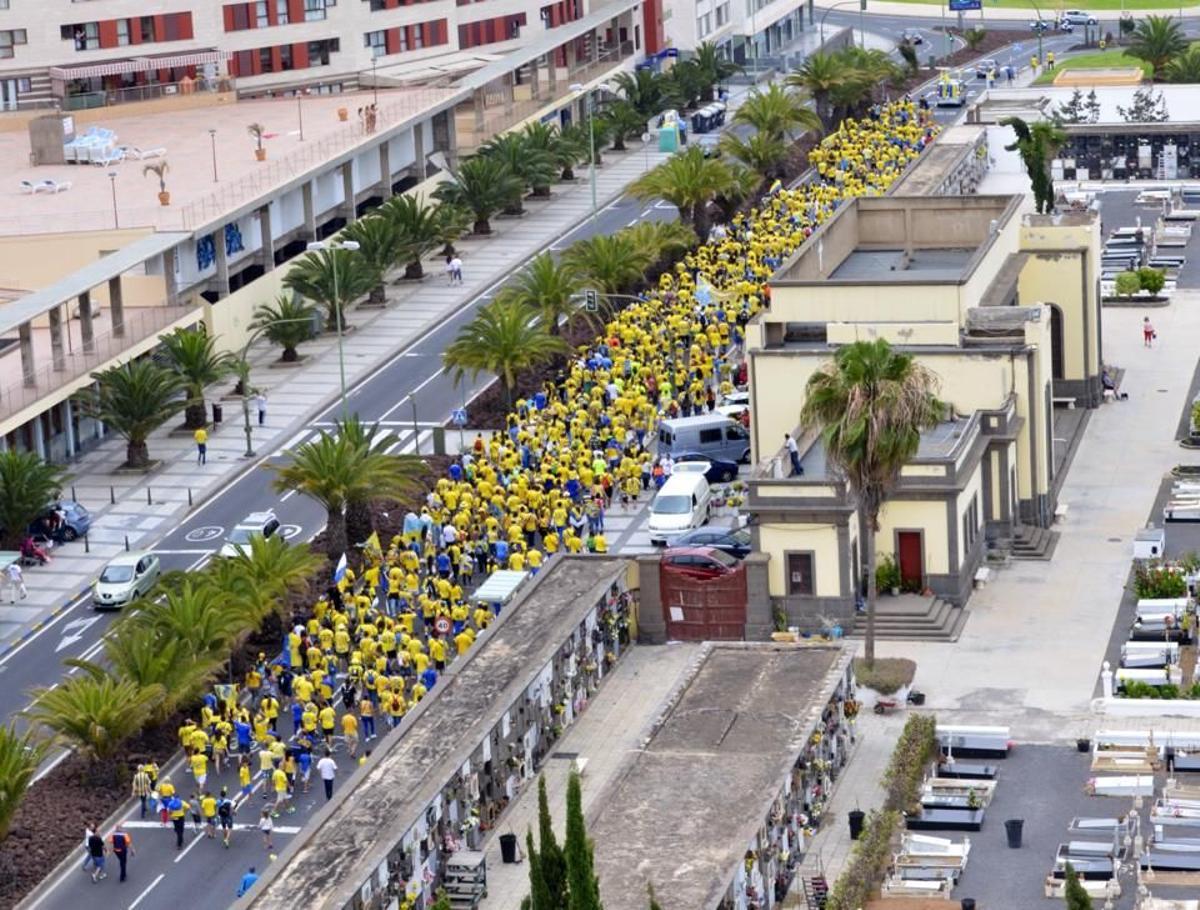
x,y
327,768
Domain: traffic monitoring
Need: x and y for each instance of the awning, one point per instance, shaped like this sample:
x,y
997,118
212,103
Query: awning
x,y
499,586
136,65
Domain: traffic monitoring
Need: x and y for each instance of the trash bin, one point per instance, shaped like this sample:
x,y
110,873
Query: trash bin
x,y
857,817
916,698
508,848
1083,745
1012,830
218,412
968,903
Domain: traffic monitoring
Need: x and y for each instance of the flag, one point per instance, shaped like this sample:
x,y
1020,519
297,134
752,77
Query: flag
x,y
339,571
372,546
775,188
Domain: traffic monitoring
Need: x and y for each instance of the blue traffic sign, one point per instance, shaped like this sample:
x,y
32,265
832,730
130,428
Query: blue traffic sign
x,y
962,6
458,417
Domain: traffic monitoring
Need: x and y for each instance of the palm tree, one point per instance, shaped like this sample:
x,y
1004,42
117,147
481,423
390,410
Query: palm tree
x,y
818,76
973,37
547,288
133,400
397,474
908,53
623,121
203,620
20,755
483,185
27,485
660,240
504,338
684,84
611,263
1185,67
870,404
643,89
268,569
688,181
286,321
381,247
331,278
761,152
565,151
1037,146
862,72
593,135
192,355
94,713
778,113
714,67
1157,39
743,186
149,659
535,166
418,224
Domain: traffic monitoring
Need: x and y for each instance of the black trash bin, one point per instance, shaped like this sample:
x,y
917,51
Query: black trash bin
x,y
508,848
968,903
1012,830
857,817
218,412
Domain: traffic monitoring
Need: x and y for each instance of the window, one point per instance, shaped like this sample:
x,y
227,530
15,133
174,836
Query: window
x,y
281,12
377,42
735,432
8,39
261,20
86,35
265,64
148,29
403,39
712,435
240,17
380,5
800,575
122,31
285,57
723,13
418,37
3,4
314,10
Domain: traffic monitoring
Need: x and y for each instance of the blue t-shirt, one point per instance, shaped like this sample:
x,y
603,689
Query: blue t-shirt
x,y
429,678
248,881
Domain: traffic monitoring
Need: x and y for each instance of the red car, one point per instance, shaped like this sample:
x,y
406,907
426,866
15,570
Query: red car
x,y
700,562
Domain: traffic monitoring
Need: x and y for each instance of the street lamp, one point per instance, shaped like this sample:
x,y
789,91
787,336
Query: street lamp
x,y
112,179
374,83
212,137
862,35
243,370
1040,29
300,93
577,88
318,246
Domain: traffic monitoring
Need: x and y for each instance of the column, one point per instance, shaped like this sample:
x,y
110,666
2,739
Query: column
x,y
552,67
86,326
56,338
418,142
69,424
480,101
310,211
385,169
116,305
222,262
569,52
348,192
28,369
534,79
268,239
39,438
172,283
507,94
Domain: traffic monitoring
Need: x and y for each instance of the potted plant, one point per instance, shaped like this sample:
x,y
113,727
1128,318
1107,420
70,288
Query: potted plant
x,y
887,575
343,114
159,169
257,130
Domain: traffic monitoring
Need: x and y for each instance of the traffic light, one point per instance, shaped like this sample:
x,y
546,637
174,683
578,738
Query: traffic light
x,y
591,301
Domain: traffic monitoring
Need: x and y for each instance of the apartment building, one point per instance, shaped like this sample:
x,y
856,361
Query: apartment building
x,y
744,30
77,55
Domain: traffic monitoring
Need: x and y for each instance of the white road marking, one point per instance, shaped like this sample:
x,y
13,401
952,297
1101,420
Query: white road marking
x,y
73,631
149,888
42,631
199,836
293,442
194,552
54,764
288,495
408,398
238,826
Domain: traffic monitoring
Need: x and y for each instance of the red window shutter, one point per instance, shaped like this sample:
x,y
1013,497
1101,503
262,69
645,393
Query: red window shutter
x,y
442,37
276,61
300,55
227,13
296,14
392,41
160,28
108,33
185,26
426,34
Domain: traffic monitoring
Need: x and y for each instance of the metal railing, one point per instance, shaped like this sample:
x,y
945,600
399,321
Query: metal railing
x,y
139,325
150,92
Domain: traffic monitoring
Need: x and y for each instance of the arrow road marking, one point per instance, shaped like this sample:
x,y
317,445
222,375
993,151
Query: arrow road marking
x,y
73,631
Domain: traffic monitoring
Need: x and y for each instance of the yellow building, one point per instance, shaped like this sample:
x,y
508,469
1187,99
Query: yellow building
x,y
1002,305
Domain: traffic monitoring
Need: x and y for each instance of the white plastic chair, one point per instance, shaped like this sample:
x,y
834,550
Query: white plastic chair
x,y
54,186
137,154
28,188
108,156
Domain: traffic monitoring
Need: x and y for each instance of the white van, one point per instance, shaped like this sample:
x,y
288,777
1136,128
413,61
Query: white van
x,y
681,504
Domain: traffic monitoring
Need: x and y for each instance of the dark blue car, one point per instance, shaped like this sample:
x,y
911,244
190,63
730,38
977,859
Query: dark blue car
x,y
734,541
64,521
719,470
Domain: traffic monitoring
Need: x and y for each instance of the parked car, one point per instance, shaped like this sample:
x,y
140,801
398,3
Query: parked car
x,y
699,562
126,578
733,541
681,504
912,36
63,521
711,435
985,66
263,523
715,470
1077,17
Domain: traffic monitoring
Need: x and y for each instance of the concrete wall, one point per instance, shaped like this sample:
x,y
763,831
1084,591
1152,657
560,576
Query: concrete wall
x,y
32,261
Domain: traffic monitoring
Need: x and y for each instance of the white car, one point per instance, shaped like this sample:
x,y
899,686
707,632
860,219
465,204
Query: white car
x,y
912,36
238,541
126,578
1077,17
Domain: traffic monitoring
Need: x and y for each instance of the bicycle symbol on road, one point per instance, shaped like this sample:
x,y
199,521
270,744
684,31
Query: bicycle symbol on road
x,y
204,534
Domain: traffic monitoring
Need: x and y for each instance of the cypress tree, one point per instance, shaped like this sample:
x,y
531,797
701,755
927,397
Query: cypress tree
x,y
1074,894
553,865
583,887
539,895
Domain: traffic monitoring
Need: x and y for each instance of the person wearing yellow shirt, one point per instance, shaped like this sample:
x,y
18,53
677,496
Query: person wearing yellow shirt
x,y
463,641
350,732
418,691
395,708
279,782
208,809
482,617
573,542
437,651
516,561
302,689
600,545
366,715
199,764
535,560
308,720
328,719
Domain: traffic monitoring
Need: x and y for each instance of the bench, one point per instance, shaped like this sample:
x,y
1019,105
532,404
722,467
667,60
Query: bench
x,y
1060,511
982,576
1066,401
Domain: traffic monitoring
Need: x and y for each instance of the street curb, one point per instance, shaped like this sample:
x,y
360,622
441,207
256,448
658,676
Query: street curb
x,y
15,642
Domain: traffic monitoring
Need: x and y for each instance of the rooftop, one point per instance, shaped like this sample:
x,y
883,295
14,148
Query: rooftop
x,y
714,763
385,799
929,171
196,198
939,443
897,265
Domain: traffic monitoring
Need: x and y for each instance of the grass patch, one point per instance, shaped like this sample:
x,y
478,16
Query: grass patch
x,y
1114,59
888,675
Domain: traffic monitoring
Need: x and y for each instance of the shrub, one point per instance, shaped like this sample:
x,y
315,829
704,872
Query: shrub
x,y
887,573
915,750
1151,280
867,864
887,676
1156,580
1128,284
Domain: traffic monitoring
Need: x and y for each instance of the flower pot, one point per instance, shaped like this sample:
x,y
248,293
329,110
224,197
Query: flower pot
x,y
343,114
260,154
164,198
895,591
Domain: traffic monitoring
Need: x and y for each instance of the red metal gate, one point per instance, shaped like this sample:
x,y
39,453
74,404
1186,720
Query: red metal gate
x,y
704,609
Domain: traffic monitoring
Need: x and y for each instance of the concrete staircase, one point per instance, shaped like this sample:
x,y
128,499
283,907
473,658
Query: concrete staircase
x,y
914,618
1031,542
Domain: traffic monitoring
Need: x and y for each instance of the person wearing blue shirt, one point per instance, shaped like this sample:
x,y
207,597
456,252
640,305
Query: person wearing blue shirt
x,y
297,716
456,472
429,678
443,564
242,729
248,881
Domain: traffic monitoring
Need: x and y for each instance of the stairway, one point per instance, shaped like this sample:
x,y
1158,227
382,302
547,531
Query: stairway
x,y
1031,542
914,618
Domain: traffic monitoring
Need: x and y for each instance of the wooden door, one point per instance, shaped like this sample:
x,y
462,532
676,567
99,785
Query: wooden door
x,y
912,559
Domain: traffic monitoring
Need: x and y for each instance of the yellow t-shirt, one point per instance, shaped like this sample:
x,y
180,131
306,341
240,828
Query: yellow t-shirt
x,y
279,780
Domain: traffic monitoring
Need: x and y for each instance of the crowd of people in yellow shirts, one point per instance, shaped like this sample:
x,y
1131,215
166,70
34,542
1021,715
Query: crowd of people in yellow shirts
x,y
377,642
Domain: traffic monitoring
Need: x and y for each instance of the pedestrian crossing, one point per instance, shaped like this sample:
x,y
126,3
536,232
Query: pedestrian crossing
x,y
406,443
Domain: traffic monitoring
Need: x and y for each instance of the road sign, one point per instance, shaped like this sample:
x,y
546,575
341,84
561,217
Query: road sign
x,y
458,417
441,625
591,301
962,6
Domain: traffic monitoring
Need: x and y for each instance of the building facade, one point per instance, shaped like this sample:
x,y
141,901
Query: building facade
x,y
744,30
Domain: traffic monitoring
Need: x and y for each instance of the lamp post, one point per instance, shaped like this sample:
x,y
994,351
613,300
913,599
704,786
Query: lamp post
x,y
861,23
244,377
1040,29
374,83
318,246
112,179
212,138
577,88
300,111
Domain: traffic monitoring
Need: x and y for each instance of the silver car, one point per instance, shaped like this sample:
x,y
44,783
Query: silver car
x,y
126,578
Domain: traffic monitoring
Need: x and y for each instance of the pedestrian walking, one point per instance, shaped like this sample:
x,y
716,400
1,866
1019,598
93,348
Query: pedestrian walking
x,y
1148,336
208,808
201,437
16,582
248,881
456,275
266,826
450,270
327,768
121,845
88,831
260,404
793,454
142,788
225,812
95,846
177,809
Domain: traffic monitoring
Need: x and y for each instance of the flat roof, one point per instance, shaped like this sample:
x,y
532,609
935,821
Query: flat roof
x,y
683,809
931,168
894,265
939,443
385,798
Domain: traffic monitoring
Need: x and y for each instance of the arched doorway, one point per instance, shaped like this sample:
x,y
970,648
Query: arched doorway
x,y
1056,342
